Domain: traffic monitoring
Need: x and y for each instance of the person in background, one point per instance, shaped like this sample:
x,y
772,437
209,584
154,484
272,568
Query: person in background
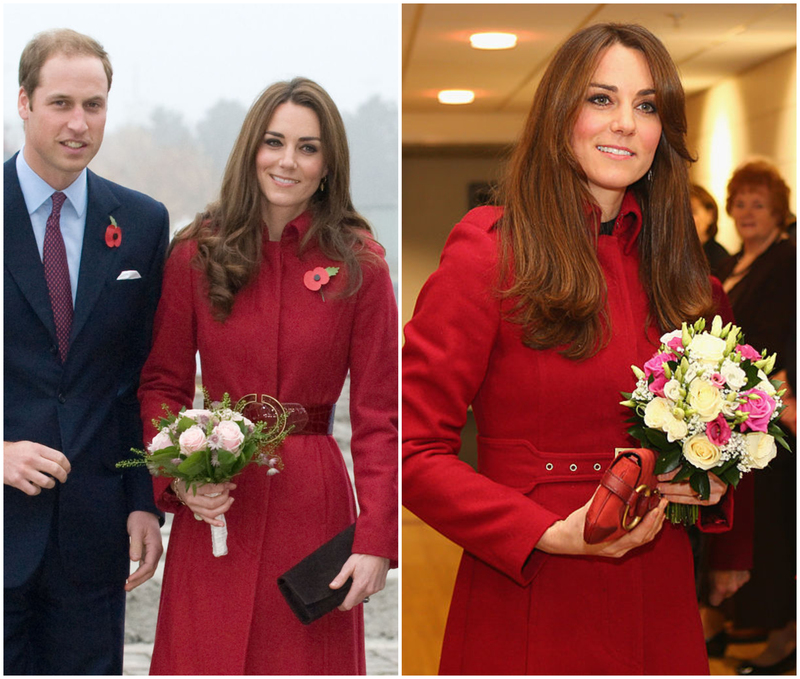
x,y
83,265
761,282
705,213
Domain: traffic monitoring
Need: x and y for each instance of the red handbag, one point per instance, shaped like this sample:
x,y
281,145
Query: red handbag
x,y
627,492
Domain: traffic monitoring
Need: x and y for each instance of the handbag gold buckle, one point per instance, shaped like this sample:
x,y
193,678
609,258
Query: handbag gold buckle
x,y
636,519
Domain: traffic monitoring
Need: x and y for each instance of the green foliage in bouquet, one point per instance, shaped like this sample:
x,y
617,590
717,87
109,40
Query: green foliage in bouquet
x,y
210,445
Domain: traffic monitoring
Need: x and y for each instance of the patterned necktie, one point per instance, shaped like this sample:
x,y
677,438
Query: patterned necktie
x,y
56,273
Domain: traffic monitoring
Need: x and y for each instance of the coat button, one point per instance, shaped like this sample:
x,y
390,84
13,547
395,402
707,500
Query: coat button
x,y
62,398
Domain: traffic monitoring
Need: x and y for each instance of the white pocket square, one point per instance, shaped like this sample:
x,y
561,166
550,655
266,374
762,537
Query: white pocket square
x,y
131,275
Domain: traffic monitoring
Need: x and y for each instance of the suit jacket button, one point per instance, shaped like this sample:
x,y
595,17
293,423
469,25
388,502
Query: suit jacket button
x,y
62,398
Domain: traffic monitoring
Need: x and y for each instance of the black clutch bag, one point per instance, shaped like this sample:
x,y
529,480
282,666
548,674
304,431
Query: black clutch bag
x,y
306,585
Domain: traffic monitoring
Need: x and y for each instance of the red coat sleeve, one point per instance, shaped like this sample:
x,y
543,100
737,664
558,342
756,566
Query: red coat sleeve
x,y
168,375
373,413
448,344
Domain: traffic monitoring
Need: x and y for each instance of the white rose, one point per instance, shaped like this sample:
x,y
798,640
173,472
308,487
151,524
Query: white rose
x,y
765,385
706,399
672,390
706,348
656,412
729,408
676,429
160,441
761,448
733,374
192,440
675,334
701,452
691,374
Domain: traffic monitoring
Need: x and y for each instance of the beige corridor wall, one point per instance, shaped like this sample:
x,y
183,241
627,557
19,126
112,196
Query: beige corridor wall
x,y
751,114
435,197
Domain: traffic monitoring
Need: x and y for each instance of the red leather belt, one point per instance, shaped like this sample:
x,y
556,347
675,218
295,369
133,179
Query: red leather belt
x,y
298,419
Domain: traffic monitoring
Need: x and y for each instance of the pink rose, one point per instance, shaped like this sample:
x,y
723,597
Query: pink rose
x,y
229,435
760,410
192,440
718,431
159,442
657,385
676,344
655,366
748,352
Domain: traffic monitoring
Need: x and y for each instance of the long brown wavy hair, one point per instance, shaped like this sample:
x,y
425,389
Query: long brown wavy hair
x,y
229,232
549,266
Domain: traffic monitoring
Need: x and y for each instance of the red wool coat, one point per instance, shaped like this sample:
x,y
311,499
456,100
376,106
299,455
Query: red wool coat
x,y
225,615
547,427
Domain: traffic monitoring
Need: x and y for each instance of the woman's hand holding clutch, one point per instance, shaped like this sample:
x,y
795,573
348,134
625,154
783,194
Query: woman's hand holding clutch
x,y
208,502
682,493
369,577
566,536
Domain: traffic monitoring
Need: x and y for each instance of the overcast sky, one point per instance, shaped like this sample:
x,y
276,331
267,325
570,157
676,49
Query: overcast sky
x,y
188,56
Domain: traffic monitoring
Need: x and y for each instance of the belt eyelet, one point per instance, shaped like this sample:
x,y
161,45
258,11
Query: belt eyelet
x,y
597,466
573,467
549,466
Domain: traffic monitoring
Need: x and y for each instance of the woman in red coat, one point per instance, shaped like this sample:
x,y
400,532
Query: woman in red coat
x,y
534,317
244,287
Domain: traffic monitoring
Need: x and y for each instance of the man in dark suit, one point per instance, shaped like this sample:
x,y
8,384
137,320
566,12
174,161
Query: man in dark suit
x,y
83,262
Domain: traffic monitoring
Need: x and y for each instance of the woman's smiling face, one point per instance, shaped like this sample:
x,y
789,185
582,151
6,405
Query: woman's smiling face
x,y
618,128
290,162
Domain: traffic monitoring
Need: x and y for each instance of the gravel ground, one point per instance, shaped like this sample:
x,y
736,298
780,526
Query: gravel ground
x,y
380,614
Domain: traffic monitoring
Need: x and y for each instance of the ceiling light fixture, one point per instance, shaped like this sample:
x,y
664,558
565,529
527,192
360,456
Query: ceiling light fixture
x,y
456,97
493,41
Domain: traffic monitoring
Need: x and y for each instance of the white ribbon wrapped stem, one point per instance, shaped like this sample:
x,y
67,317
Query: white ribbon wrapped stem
x,y
219,534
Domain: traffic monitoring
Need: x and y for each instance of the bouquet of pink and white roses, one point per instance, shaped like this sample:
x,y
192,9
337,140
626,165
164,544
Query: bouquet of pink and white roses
x,y
210,446
705,404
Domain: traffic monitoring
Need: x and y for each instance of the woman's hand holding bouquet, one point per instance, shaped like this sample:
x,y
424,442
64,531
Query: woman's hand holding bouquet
x,y
202,450
207,501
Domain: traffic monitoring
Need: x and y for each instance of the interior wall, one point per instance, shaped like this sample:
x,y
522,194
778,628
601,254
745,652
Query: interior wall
x,y
752,114
435,197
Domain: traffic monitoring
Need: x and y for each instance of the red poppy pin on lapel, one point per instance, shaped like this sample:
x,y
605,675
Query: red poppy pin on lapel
x,y
316,278
113,234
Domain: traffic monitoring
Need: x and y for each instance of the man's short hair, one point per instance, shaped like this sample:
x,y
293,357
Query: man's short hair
x,y
58,41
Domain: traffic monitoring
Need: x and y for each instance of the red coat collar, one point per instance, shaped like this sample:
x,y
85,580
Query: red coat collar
x,y
295,230
628,223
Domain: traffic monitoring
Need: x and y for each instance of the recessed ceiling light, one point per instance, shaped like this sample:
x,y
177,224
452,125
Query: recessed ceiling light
x,y
456,97
493,41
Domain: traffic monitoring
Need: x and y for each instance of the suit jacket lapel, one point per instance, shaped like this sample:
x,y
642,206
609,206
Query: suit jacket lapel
x,y
96,257
20,252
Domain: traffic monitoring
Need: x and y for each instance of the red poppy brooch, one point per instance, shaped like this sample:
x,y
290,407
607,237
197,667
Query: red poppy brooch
x,y
113,234
316,278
